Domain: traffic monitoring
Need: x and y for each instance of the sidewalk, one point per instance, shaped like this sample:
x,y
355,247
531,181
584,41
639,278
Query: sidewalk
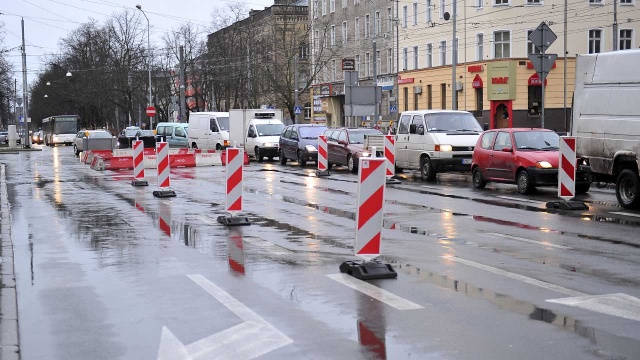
x,y
9,344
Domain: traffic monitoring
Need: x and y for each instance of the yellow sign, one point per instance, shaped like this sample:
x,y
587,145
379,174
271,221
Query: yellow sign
x,y
501,78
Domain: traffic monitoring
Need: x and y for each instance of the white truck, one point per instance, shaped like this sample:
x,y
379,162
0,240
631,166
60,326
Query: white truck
x,y
209,130
606,120
257,131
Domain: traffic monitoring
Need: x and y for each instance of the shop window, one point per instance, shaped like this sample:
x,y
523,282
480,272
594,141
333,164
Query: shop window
x,y
535,100
443,96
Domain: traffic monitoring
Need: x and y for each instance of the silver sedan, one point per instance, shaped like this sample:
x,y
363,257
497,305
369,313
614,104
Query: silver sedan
x,y
93,140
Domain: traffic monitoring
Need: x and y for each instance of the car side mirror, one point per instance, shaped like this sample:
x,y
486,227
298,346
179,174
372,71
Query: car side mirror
x,y
506,149
420,130
342,142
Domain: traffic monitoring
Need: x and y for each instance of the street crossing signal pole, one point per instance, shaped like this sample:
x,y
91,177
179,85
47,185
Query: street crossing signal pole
x,y
295,87
183,111
544,77
25,106
454,60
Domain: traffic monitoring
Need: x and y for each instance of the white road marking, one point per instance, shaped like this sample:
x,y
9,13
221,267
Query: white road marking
x,y
514,276
625,213
248,340
523,200
546,244
206,220
620,305
375,292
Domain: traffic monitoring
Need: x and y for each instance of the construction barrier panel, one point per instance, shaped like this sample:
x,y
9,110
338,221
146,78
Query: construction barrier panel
x,y
183,159
371,186
390,154
234,164
162,166
119,163
138,160
567,168
224,158
323,161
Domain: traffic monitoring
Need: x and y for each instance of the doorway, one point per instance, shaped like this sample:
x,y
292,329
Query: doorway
x,y
501,114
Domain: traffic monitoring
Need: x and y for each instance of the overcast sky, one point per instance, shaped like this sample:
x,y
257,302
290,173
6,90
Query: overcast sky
x,y
48,21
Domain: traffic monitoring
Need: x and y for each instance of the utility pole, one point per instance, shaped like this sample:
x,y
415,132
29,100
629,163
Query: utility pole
x,y
295,87
15,101
543,78
454,60
183,111
25,111
397,87
566,118
375,80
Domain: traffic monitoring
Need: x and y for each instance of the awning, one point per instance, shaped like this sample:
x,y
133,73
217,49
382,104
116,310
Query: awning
x,y
477,82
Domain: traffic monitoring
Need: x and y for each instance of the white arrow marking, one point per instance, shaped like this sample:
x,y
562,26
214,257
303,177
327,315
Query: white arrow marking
x,y
375,292
621,305
248,340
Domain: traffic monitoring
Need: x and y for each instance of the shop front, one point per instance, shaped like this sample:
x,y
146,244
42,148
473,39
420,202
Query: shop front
x,y
501,91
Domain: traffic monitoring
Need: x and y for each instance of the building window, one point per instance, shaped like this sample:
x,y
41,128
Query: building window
x,y
405,92
443,53
534,2
332,6
344,4
595,2
389,20
389,61
415,57
531,48
304,51
344,32
428,5
442,9
358,65
501,2
378,23
415,13
535,100
367,62
479,4
479,47
626,39
429,55
443,96
367,28
404,16
324,7
357,29
316,42
502,44
429,97
333,35
626,2
405,61
378,63
315,9
333,70
479,105
595,41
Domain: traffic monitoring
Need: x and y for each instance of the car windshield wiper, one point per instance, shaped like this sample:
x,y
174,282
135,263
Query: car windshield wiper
x,y
435,129
550,148
528,148
467,130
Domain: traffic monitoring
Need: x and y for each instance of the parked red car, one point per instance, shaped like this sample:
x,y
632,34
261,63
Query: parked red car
x,y
526,157
346,146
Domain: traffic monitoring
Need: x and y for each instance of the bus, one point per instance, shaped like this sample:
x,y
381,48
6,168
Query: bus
x,y
60,129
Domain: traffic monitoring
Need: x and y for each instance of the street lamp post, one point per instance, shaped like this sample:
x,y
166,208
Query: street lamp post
x,y
148,60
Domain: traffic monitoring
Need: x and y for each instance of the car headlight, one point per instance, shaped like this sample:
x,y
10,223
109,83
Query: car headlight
x,y
365,154
444,148
543,165
311,148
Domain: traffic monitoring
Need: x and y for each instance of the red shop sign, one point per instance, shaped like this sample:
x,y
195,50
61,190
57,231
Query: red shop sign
x,y
534,80
477,82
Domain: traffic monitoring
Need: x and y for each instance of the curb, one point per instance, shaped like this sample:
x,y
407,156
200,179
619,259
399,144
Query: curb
x,y
9,340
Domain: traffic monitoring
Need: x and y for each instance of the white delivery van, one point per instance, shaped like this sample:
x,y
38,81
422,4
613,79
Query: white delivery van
x,y
209,130
263,138
606,120
435,141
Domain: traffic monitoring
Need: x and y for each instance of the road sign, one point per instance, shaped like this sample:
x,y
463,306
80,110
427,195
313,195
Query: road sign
x,y
297,110
393,109
21,119
542,37
151,111
543,63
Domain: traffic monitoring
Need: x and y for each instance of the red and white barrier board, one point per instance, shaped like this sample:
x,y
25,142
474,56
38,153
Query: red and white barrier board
x,y
138,160
390,154
323,161
371,186
234,162
162,159
567,168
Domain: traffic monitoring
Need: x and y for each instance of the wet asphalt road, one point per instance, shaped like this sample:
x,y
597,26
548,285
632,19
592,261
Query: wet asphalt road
x,y
107,271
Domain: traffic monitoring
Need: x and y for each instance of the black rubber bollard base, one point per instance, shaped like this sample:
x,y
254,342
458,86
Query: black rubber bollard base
x,y
370,270
139,183
233,220
164,193
322,173
567,205
393,181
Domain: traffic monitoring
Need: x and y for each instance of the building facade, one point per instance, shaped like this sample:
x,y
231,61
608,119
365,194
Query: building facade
x,y
494,78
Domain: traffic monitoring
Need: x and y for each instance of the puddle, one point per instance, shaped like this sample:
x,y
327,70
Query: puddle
x,y
628,347
334,191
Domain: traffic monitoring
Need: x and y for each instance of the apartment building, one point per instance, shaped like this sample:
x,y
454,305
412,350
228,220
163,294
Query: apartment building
x,y
495,79
347,29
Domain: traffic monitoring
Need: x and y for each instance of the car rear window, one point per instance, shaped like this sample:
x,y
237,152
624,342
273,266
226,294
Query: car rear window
x,y
311,132
100,135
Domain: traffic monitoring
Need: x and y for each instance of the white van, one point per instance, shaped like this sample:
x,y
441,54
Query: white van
x,y
209,130
263,138
435,141
606,120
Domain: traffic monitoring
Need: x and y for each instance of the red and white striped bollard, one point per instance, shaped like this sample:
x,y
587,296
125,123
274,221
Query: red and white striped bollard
x,y
163,170
138,164
234,164
323,157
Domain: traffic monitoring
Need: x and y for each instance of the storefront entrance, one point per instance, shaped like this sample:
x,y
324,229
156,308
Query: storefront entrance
x,y
501,114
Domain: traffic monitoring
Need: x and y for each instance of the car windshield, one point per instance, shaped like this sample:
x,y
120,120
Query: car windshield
x,y
311,132
357,137
269,129
536,140
99,134
452,122
132,131
224,123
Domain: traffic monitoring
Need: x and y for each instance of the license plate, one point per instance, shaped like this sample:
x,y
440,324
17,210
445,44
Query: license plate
x,y
466,161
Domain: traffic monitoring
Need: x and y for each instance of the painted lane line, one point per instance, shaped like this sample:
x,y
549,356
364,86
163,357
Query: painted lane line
x,y
546,244
620,305
514,276
624,213
248,340
375,292
523,200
